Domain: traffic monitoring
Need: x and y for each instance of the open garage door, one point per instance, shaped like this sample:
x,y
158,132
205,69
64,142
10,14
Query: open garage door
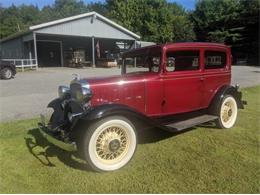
x,y
49,53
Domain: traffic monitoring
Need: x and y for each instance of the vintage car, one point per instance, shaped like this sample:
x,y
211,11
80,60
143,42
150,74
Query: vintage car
x,y
171,87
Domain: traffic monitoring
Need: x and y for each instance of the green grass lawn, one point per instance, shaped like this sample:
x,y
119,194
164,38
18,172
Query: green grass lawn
x,y
203,160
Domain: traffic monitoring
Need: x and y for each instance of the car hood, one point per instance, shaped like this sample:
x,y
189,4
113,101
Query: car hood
x,y
126,89
97,81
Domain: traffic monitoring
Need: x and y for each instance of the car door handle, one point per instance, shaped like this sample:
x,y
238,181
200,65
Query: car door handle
x,y
202,78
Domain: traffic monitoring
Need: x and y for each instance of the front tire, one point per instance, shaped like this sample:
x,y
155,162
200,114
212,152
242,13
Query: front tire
x,y
6,73
109,144
227,113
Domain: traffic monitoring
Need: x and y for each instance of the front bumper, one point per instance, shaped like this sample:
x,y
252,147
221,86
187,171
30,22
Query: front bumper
x,y
47,134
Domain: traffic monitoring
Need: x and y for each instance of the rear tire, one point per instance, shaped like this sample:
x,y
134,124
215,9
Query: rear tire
x,y
109,144
6,73
227,113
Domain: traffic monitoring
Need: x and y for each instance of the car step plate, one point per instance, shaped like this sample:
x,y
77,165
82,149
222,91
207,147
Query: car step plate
x,y
185,124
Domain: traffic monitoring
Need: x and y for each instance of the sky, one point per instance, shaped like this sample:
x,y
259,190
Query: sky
x,y
187,4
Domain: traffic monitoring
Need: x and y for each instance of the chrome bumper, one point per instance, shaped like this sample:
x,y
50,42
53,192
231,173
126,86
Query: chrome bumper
x,y
45,131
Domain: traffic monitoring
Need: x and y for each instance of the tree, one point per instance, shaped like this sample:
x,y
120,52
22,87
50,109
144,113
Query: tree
x,y
61,9
217,20
234,22
181,25
66,8
98,7
28,14
10,21
249,19
154,20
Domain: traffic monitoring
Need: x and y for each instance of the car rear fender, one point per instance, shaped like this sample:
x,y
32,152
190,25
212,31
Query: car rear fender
x,y
226,90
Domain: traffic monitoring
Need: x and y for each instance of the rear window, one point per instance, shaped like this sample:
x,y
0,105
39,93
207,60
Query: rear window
x,y
215,59
182,60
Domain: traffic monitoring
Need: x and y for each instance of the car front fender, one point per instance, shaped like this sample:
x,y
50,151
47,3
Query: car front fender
x,y
55,103
106,110
102,111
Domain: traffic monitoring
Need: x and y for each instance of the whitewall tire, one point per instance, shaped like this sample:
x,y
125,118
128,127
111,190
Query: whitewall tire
x,y
109,144
227,112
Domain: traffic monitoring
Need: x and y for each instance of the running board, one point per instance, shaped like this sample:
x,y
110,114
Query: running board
x,y
185,124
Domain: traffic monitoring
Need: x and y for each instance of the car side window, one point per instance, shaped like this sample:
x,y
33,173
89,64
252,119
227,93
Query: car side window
x,y
215,59
143,64
182,60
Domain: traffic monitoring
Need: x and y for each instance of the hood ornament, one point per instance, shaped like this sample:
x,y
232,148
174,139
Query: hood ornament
x,y
76,76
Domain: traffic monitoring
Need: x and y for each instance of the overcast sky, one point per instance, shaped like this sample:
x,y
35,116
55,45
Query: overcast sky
x,y
188,4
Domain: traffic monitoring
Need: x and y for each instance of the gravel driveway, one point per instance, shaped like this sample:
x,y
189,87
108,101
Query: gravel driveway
x,y
27,95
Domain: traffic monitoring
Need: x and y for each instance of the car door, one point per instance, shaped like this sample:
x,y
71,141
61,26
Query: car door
x,y
217,71
182,81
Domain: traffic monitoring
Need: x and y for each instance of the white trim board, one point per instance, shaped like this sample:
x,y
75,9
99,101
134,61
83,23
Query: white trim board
x,y
95,14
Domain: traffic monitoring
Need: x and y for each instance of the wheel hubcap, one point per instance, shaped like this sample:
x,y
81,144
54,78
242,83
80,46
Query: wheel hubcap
x,y
112,144
8,74
227,112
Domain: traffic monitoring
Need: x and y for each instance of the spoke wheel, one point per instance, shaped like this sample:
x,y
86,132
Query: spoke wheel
x,y
110,144
228,112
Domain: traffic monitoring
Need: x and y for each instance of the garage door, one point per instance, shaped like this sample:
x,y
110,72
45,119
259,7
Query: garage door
x,y
49,54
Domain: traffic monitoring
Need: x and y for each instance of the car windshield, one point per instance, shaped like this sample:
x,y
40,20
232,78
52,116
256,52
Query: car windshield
x,y
147,60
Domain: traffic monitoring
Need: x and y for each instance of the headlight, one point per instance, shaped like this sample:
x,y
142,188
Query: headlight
x,y
80,90
83,95
64,92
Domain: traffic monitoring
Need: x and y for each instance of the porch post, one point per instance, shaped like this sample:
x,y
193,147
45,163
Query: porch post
x,y
30,53
35,50
61,54
93,52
